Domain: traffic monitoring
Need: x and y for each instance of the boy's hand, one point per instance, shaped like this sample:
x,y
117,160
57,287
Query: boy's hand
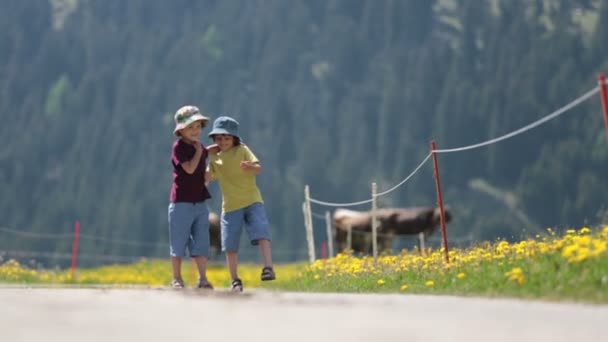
x,y
213,149
247,165
197,146
254,167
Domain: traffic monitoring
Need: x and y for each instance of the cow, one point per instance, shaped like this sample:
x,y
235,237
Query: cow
x,y
391,222
214,233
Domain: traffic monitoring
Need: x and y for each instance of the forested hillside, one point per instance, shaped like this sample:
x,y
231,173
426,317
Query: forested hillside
x,y
331,93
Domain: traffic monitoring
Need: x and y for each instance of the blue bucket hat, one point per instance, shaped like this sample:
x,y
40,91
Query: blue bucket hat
x,y
225,125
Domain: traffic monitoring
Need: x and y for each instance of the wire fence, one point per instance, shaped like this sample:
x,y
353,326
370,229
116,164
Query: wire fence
x,y
512,134
12,248
309,199
333,204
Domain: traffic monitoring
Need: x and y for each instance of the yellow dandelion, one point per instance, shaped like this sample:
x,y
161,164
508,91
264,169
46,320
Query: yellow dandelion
x,y
317,277
461,275
381,282
403,287
430,283
514,271
599,247
517,275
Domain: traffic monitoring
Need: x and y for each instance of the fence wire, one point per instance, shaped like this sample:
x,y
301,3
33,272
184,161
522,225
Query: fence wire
x,y
522,130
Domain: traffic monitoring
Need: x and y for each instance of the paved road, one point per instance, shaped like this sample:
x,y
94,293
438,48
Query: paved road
x,y
108,315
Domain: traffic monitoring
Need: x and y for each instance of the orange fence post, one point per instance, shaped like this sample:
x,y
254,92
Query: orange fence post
x,y
444,233
604,95
75,246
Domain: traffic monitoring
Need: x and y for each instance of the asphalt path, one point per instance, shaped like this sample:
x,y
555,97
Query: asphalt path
x,y
136,314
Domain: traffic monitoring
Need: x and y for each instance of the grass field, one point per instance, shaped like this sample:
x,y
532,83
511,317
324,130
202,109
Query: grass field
x,y
573,267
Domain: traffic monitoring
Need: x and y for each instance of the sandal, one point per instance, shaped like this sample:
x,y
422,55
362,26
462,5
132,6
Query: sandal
x,y
237,285
177,283
268,274
204,284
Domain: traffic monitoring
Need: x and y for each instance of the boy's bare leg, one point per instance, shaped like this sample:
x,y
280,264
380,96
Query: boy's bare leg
x,y
264,246
201,264
232,260
176,263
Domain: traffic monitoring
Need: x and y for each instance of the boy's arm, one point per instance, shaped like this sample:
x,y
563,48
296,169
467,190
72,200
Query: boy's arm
x,y
208,177
209,174
254,167
213,149
190,165
251,163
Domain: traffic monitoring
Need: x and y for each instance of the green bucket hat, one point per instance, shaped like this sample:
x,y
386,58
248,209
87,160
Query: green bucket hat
x,y
225,125
187,115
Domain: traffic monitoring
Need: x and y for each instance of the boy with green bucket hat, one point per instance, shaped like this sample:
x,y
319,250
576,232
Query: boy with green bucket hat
x,y
235,167
188,212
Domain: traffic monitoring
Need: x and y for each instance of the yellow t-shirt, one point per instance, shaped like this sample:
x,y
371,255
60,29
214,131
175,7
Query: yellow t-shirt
x,y
239,189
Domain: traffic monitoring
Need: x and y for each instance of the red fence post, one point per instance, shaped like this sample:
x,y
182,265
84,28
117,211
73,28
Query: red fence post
x,y
324,250
604,89
75,246
444,233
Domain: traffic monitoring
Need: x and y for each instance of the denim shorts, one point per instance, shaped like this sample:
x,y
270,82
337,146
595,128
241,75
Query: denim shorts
x,y
256,223
188,229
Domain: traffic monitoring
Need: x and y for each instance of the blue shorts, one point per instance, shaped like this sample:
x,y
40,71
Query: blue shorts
x,y
188,228
257,226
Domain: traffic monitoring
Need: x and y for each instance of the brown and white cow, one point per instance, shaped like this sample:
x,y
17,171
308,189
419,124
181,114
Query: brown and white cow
x,y
391,222
215,242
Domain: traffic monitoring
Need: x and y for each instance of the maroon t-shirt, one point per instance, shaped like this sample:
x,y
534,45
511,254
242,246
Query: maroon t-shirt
x,y
188,187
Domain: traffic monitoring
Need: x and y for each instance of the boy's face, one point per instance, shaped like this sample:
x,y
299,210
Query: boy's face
x,y
223,141
192,131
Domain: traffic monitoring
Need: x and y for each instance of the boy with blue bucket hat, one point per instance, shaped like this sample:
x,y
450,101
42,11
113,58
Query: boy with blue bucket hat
x,y
235,167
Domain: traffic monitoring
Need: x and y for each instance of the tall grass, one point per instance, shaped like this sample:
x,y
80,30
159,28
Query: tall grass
x,y
573,266
570,267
